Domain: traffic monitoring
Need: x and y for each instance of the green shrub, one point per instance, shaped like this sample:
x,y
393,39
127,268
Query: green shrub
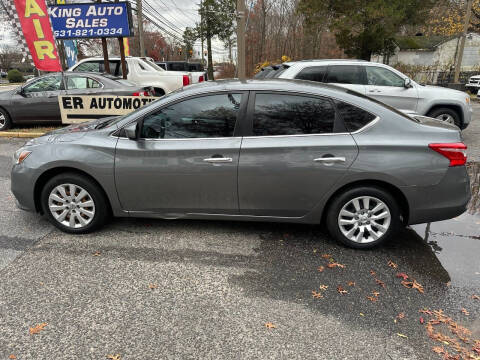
x,y
15,76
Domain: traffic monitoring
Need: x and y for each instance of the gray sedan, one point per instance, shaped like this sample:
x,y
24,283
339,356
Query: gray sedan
x,y
37,100
273,150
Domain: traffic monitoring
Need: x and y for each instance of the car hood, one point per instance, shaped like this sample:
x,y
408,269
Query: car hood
x,y
71,132
7,94
443,92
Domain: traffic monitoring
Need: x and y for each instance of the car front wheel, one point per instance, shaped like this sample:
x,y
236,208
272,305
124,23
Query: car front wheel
x,y
74,203
363,217
5,121
448,115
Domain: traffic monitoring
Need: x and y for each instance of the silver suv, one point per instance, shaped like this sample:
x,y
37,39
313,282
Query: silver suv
x,y
385,84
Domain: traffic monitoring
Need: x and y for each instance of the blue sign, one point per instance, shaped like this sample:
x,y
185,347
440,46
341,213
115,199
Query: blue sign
x,y
71,52
91,20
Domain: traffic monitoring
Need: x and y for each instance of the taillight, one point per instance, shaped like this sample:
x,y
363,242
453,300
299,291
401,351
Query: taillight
x,y
186,80
455,152
141,93
200,79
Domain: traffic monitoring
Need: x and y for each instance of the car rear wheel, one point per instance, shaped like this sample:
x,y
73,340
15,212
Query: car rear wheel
x,y
5,121
74,203
363,217
445,114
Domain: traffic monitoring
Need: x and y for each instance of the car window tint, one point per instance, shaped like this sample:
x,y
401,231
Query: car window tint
x,y
82,82
203,117
353,117
91,66
162,65
292,115
313,73
383,77
344,74
47,83
178,67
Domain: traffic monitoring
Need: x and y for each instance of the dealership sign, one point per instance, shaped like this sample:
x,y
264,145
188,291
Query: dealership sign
x,y
78,109
91,20
37,31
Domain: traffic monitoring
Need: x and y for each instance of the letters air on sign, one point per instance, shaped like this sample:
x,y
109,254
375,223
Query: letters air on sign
x,y
89,20
38,34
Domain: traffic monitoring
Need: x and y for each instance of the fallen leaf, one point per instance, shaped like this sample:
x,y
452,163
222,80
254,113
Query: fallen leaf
x,y
314,251
96,253
334,264
321,268
12,356
375,293
316,295
372,298
326,256
403,336
351,283
413,285
381,283
475,297
362,314
425,311
152,286
341,290
269,325
113,357
421,320
438,350
392,264
465,312
402,275
373,273
400,316
36,329
323,287
41,283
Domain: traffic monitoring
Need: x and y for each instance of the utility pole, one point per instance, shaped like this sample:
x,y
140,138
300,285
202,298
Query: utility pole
x,y
140,28
201,30
458,62
106,63
241,12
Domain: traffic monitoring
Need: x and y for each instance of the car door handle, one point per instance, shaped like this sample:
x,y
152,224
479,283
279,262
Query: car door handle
x,y
330,159
218,160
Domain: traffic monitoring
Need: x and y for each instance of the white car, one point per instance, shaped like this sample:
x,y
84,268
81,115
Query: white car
x,y
383,83
473,84
140,71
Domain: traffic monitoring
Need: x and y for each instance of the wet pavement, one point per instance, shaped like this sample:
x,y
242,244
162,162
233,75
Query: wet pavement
x,y
147,289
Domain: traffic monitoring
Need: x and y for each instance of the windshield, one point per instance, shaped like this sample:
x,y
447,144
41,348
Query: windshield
x,y
153,65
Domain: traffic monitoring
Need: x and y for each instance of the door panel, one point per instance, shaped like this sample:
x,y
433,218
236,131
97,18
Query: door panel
x,y
39,101
388,87
171,177
278,176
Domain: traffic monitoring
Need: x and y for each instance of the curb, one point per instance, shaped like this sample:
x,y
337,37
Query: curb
x,y
17,134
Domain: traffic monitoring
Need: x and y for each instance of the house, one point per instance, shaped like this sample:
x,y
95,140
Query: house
x,y
433,57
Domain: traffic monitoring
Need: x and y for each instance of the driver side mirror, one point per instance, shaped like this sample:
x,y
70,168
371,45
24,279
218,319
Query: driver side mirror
x,y
408,83
131,131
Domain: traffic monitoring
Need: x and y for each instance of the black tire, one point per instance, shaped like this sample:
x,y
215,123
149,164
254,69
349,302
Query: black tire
x,y
344,198
435,113
5,120
102,210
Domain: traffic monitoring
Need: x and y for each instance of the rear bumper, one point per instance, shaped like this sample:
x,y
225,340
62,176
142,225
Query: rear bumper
x,y
443,201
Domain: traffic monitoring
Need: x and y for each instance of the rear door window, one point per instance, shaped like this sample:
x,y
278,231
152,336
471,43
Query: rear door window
x,y
89,66
313,73
282,114
345,74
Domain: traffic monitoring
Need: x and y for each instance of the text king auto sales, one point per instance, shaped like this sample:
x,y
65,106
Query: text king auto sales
x,y
91,20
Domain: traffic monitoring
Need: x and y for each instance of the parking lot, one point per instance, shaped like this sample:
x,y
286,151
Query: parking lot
x,y
151,289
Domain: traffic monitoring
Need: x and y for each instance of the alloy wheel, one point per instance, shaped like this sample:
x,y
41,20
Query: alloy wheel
x,y
364,219
71,205
447,118
3,120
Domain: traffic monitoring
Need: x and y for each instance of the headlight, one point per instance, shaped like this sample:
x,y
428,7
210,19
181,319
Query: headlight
x,y
20,155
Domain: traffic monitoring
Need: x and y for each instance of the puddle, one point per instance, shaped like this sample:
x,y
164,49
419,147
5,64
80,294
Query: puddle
x,y
456,242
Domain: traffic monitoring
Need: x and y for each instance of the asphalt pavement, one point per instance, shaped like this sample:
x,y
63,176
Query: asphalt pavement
x,y
152,289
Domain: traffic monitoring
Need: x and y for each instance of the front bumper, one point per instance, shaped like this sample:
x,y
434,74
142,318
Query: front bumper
x,y
446,200
22,186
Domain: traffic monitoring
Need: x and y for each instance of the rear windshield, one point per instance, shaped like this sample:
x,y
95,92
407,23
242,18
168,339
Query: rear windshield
x,y
280,71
